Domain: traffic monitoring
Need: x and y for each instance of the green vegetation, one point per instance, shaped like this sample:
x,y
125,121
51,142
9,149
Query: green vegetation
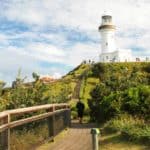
x,y
108,90
123,88
34,136
36,93
132,128
113,89
115,141
24,95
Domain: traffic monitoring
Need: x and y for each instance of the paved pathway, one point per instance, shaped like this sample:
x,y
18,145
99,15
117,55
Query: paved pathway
x,y
78,137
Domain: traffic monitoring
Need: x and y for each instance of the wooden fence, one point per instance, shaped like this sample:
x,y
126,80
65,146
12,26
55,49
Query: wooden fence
x,y
49,111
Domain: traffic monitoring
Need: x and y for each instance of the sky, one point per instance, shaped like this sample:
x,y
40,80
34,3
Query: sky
x,y
51,37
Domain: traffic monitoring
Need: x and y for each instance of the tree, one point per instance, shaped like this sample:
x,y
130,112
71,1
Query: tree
x,y
2,84
19,80
124,87
137,100
98,70
35,76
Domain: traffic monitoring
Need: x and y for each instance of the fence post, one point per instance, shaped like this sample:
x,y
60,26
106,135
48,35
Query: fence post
x,y
95,144
68,118
51,124
5,135
8,130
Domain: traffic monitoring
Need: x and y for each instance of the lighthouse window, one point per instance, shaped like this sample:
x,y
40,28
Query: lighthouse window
x,y
106,44
107,20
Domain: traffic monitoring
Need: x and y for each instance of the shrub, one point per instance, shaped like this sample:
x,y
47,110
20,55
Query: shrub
x,y
133,128
123,87
137,101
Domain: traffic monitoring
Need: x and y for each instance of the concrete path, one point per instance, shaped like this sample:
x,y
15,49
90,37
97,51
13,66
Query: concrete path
x,y
78,137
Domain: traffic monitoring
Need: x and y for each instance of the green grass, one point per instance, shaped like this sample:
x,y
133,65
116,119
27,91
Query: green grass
x,y
26,139
77,71
133,129
86,87
114,141
125,133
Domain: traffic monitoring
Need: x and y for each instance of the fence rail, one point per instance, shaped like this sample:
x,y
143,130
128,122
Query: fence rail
x,y
49,111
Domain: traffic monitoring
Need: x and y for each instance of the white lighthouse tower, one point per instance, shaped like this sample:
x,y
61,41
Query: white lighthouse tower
x,y
109,51
107,30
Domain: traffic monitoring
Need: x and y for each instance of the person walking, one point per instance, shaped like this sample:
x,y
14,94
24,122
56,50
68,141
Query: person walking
x,y
80,108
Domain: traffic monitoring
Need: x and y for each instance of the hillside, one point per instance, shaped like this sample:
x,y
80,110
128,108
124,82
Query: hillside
x,y
81,81
116,95
85,77
78,83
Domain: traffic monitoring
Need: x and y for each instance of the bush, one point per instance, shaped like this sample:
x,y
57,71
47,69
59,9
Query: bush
x,y
74,115
123,87
137,101
133,128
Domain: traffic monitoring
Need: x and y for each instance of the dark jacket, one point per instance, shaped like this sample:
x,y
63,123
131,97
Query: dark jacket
x,y
80,108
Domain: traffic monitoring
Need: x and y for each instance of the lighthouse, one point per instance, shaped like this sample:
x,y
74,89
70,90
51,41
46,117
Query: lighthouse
x,y
109,50
107,31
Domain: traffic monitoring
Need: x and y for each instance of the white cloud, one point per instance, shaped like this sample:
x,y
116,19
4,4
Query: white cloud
x,y
14,58
3,39
57,75
131,18
81,52
45,51
28,59
82,14
129,15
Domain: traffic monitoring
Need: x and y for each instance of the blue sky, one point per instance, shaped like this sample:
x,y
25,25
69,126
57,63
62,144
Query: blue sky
x,y
51,37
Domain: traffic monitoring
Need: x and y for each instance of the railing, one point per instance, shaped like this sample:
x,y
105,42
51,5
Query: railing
x,y
49,111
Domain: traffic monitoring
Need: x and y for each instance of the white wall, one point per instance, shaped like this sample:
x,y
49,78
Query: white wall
x,y
108,43
117,56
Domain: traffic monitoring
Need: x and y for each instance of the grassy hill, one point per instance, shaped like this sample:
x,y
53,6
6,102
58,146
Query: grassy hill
x,y
115,94
118,95
79,83
89,74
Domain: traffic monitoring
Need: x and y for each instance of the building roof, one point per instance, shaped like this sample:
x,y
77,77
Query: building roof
x,y
47,79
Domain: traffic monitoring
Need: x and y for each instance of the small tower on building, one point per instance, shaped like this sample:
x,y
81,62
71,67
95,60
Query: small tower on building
x,y
109,50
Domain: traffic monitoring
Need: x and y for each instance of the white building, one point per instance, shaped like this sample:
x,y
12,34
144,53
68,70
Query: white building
x,y
109,50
